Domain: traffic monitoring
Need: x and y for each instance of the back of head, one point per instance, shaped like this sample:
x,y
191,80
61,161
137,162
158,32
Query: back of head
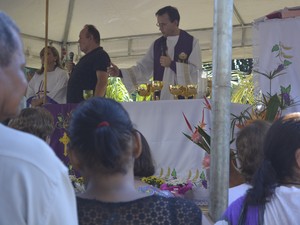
x,y
8,44
92,30
281,144
37,121
278,167
249,144
143,165
101,135
171,11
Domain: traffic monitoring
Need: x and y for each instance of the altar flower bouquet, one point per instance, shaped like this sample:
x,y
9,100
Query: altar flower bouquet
x,y
177,186
154,181
78,183
199,136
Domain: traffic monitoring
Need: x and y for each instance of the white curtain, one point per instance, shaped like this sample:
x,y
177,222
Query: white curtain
x,y
283,37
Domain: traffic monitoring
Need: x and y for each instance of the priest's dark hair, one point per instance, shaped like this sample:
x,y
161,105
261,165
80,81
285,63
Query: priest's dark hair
x,y
171,11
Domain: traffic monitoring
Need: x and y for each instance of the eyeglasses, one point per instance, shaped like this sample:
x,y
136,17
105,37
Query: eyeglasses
x,y
161,24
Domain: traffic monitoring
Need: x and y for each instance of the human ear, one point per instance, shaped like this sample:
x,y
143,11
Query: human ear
x,y
137,145
74,159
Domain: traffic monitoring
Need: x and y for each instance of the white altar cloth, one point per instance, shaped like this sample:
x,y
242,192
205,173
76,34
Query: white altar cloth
x,y
162,123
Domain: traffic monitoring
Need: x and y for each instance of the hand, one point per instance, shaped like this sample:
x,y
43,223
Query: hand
x,y
165,61
70,65
36,102
113,70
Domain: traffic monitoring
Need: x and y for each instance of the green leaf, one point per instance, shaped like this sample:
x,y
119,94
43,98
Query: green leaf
x,y
285,90
288,89
275,48
286,62
202,175
272,108
174,174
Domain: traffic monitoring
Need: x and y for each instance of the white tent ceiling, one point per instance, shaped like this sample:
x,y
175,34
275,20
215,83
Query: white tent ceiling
x,y
127,27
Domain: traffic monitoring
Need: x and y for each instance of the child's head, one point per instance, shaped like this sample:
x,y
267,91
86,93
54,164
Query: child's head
x,y
37,121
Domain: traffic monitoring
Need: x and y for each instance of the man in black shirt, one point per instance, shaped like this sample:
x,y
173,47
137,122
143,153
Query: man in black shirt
x,y
90,72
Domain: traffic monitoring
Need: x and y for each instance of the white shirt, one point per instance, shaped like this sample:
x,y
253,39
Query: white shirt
x,y
35,186
238,191
284,207
142,72
57,82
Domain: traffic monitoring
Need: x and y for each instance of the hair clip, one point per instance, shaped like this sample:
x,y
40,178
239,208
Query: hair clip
x,y
103,124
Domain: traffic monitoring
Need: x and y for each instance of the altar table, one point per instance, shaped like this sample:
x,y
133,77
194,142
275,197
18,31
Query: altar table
x,y
162,123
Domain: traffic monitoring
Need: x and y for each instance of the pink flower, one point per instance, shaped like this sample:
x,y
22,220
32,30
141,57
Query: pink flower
x,y
206,161
196,137
178,189
185,188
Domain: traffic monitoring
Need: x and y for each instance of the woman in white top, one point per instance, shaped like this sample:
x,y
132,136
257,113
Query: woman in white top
x,y
57,80
249,145
274,197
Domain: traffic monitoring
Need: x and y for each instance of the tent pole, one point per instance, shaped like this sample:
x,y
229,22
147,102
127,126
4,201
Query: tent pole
x,y
222,53
46,52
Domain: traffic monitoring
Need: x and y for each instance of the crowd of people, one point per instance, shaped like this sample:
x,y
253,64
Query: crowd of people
x,y
163,61
111,154
103,146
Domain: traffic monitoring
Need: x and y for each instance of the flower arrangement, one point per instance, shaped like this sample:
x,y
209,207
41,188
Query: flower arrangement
x,y
154,181
178,186
199,136
77,183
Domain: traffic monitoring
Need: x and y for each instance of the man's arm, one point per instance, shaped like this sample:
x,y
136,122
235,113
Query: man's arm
x,y
102,80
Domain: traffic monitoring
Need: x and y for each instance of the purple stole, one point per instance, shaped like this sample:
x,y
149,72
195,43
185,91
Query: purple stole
x,y
184,44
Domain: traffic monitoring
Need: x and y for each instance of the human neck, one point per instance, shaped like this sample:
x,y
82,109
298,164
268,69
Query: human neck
x,y
51,67
92,47
111,188
175,33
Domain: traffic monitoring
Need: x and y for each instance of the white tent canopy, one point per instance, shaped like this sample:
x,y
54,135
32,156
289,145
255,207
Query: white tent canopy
x,y
128,27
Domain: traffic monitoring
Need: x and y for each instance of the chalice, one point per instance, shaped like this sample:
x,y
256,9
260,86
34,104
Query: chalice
x,y
191,90
144,90
87,94
176,90
156,86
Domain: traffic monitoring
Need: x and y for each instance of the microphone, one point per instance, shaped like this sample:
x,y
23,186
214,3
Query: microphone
x,y
163,47
71,56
